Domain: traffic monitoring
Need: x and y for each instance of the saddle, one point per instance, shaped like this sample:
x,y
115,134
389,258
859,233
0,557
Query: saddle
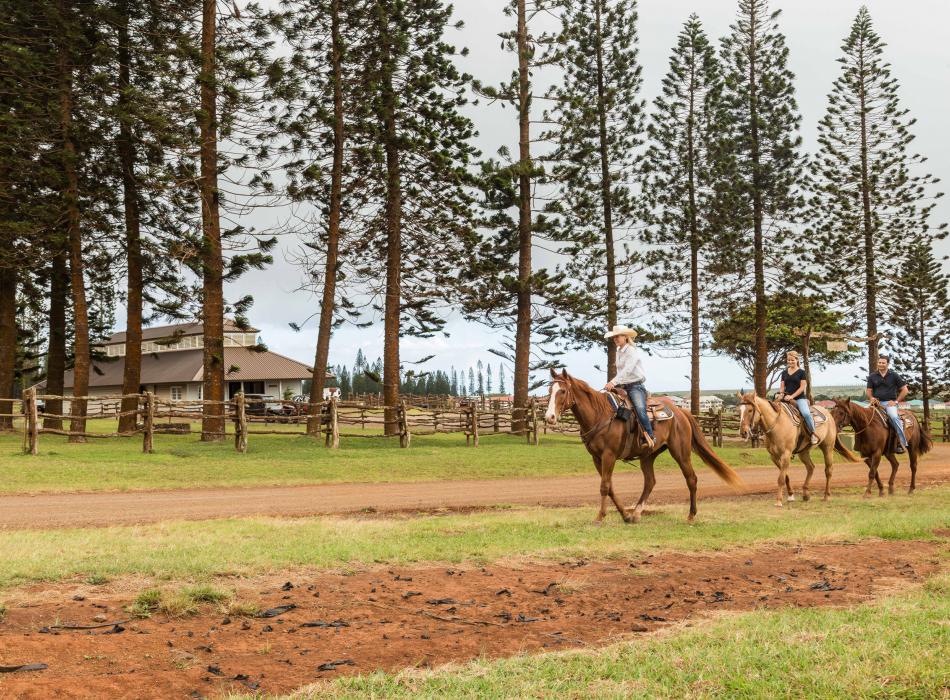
x,y
804,439
907,418
657,410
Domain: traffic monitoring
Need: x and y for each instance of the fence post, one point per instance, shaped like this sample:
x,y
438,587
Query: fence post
x,y
31,431
474,424
435,421
533,435
240,423
333,426
404,436
495,406
148,420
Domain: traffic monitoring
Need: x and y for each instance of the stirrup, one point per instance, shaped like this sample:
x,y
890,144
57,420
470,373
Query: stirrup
x,y
815,439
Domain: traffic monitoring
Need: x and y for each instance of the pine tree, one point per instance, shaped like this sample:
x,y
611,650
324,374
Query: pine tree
x,y
920,315
679,192
598,117
488,379
411,154
758,164
871,201
503,288
471,382
501,379
322,64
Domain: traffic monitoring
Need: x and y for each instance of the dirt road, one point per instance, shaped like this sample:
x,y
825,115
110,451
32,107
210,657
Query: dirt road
x,y
103,509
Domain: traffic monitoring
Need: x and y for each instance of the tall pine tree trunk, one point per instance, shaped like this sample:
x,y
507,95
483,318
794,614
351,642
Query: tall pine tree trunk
x,y
132,374
924,380
81,360
606,189
760,369
867,227
333,228
212,425
693,246
8,285
391,311
56,351
523,324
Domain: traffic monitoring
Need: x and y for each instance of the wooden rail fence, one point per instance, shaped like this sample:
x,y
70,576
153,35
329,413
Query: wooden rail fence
x,y
331,419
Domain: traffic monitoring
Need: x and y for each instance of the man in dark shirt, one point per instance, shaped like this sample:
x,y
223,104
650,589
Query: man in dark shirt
x,y
890,389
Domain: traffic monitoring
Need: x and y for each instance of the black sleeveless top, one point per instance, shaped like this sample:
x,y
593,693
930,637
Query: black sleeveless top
x,y
793,381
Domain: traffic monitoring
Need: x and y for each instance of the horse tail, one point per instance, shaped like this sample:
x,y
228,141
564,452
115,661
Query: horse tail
x,y
924,442
712,460
842,450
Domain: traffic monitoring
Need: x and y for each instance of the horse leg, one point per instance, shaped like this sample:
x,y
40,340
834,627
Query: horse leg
x,y
782,478
649,481
681,452
809,470
788,488
872,463
607,461
827,452
894,465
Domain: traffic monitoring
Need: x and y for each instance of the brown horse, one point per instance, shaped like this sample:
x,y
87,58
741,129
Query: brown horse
x,y
872,438
607,440
782,438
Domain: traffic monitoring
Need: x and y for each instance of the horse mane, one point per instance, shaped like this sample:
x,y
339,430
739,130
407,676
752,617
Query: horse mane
x,y
596,396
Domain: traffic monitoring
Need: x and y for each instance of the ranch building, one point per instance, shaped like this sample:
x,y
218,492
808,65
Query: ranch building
x,y
173,365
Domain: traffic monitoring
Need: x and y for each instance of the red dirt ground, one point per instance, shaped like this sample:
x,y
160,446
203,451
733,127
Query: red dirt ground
x,y
110,508
392,618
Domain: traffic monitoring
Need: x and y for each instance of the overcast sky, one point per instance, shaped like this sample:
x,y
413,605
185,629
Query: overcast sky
x,y
916,32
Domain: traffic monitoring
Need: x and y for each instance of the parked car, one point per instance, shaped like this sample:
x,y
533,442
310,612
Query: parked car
x,y
263,405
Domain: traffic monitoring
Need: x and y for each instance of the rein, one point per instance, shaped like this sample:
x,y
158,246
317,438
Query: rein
x,y
570,402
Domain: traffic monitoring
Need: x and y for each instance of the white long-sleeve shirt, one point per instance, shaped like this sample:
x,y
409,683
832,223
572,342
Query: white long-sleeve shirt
x,y
629,366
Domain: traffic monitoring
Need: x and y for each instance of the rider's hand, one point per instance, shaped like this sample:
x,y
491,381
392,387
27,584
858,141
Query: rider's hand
x,y
787,398
609,386
891,403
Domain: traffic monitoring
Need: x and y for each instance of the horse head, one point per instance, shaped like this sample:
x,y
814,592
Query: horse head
x,y
561,397
747,414
842,412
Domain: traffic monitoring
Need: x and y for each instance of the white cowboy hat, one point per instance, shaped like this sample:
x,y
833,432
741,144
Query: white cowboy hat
x,y
621,330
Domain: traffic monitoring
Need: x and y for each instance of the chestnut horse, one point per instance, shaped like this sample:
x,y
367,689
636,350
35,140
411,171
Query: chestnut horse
x,y
782,436
873,440
607,440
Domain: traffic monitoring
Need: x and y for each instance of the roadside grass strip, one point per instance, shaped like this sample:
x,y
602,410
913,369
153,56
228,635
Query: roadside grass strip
x,y
182,461
896,647
199,551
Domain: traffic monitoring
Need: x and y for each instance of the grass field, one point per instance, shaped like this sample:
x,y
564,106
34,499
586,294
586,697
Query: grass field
x,y
894,648
182,461
201,550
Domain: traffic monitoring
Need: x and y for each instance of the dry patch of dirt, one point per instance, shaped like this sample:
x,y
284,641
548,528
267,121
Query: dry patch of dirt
x,y
326,624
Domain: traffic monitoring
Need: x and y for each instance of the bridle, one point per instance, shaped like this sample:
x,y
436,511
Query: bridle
x,y
570,402
753,409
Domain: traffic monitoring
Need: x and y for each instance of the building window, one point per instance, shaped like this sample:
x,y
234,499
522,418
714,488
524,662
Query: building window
x,y
177,393
200,389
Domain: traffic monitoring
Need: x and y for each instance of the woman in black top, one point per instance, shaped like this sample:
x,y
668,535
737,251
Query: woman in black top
x,y
794,389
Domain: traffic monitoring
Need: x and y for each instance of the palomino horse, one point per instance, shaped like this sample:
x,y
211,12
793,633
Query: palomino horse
x,y
782,436
872,438
608,440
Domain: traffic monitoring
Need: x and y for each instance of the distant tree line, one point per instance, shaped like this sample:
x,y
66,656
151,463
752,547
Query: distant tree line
x,y
136,137
364,378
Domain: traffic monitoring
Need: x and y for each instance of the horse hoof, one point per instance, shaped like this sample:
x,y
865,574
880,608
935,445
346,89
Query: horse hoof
x,y
910,491
779,504
826,497
867,494
792,498
598,523
690,519
805,497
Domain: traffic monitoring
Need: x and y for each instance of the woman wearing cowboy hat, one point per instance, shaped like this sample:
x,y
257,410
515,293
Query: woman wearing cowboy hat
x,y
630,376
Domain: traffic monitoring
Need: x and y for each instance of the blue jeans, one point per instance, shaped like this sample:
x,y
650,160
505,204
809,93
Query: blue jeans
x,y
897,423
638,396
806,414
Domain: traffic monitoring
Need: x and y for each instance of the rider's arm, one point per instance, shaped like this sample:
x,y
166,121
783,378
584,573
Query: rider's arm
x,y
802,388
903,393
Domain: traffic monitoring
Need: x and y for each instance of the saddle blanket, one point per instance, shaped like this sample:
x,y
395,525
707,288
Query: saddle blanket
x,y
792,411
656,409
906,416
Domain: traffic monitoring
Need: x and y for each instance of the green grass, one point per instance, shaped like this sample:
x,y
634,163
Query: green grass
x,y
198,551
895,648
182,461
